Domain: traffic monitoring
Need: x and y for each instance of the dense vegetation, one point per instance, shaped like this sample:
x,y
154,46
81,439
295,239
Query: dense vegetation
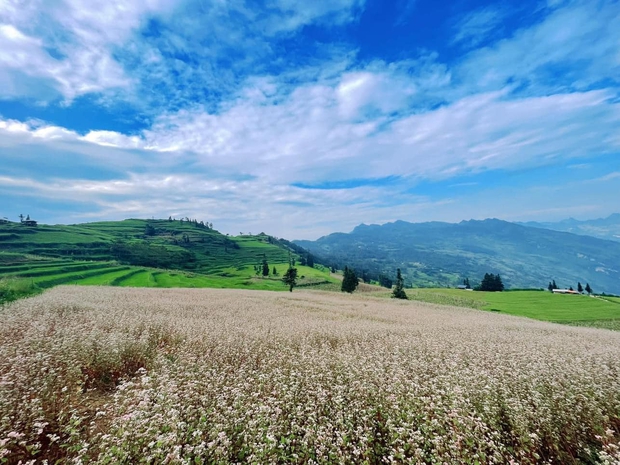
x,y
441,254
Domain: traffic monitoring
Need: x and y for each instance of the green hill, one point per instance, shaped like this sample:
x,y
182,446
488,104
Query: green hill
x,y
158,253
443,254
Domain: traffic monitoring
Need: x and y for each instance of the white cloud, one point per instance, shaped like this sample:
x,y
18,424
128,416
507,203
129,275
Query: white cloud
x,y
572,49
477,25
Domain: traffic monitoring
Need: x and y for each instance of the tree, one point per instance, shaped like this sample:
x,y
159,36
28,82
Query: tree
x,y
571,288
588,289
579,288
399,291
149,230
498,284
550,287
491,283
21,218
349,281
384,281
310,260
170,219
555,286
290,278
265,268
466,283
28,217
275,272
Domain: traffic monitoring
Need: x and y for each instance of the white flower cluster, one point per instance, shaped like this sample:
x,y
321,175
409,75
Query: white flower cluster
x,y
113,375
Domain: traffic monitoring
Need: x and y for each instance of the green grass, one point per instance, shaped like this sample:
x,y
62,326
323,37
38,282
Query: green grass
x,y
540,305
75,277
144,278
12,289
104,279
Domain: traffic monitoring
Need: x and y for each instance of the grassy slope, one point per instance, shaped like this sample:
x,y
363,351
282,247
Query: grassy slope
x,y
211,251
539,305
199,257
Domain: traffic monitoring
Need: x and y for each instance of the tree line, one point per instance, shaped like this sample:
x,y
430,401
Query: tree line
x,y
552,285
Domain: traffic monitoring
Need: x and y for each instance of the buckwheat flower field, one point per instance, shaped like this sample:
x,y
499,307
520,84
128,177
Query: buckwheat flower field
x,y
118,375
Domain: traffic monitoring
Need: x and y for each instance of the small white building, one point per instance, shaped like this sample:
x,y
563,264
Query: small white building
x,y
565,291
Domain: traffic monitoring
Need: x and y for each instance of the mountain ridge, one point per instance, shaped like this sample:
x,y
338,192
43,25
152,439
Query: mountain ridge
x,y
443,254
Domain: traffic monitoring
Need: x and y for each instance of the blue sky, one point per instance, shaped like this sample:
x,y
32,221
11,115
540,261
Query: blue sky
x,y
304,118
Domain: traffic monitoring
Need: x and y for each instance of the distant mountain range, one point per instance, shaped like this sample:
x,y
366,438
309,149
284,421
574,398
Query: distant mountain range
x,y
603,228
440,254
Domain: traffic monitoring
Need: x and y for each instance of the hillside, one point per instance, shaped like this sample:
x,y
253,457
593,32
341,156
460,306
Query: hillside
x,y
440,254
157,243
603,228
147,253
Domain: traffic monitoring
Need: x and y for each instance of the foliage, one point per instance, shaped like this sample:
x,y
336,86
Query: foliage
x,y
385,281
588,289
349,280
290,277
491,283
15,288
399,289
558,308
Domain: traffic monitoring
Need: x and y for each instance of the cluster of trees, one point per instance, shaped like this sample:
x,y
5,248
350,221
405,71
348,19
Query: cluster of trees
x,y
350,282
264,269
195,222
552,285
307,260
491,283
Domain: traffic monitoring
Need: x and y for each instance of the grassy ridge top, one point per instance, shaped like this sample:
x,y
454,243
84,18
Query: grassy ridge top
x,y
161,243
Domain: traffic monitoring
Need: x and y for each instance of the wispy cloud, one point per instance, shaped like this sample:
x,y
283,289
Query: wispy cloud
x,y
476,26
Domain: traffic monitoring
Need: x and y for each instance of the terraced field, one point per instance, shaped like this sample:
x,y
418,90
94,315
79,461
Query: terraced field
x,y
154,243
44,272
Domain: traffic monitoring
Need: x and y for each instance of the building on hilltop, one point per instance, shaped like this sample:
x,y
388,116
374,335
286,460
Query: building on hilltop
x,y
564,291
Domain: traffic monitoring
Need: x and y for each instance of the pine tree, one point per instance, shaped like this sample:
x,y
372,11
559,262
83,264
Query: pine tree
x,y
349,280
550,287
399,291
290,277
275,272
265,268
588,289
555,286
579,288
498,284
466,283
